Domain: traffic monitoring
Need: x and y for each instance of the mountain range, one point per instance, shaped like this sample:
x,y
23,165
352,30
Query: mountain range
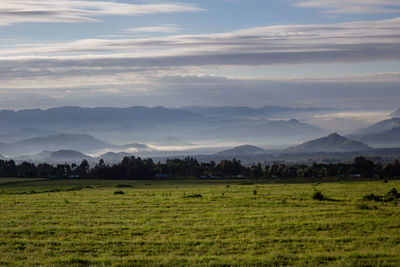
x,y
242,150
331,143
248,112
160,131
396,113
83,142
383,134
162,126
332,148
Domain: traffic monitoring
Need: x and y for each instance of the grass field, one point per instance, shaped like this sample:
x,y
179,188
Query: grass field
x,y
196,223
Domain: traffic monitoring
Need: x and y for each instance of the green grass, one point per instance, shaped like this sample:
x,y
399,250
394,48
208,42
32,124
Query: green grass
x,y
196,223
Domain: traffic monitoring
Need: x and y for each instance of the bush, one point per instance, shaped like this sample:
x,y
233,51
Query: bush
x,y
392,195
119,193
317,195
372,197
254,192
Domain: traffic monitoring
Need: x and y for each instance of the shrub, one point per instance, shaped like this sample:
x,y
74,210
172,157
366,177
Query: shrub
x,y
393,193
119,193
317,195
372,197
254,192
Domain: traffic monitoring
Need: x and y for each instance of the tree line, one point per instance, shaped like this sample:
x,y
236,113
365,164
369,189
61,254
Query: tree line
x,y
189,167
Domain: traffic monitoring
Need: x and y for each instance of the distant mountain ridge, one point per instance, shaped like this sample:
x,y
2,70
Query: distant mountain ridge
x,y
157,125
331,143
79,117
389,138
79,142
243,111
72,156
23,134
71,141
82,142
242,150
396,113
378,127
66,156
294,125
385,133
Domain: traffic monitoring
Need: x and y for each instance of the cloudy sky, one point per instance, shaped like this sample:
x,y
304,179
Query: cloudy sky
x,y
328,53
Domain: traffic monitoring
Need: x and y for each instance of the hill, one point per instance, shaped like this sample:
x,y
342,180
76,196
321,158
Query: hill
x,y
385,133
66,156
389,138
396,113
157,125
249,112
285,127
82,118
242,150
82,142
14,136
378,127
331,143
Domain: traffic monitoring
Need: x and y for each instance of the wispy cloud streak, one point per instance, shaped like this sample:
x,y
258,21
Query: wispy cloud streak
x,y
167,28
344,42
16,11
353,6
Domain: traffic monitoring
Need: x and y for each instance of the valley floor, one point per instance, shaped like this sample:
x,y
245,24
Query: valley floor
x,y
173,223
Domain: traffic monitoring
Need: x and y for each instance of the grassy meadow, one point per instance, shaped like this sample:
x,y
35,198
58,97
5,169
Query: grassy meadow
x,y
196,223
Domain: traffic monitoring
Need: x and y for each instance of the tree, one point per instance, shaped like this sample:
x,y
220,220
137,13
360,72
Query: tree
x,y
257,171
84,169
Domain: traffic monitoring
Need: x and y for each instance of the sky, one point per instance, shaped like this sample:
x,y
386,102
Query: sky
x,y
298,53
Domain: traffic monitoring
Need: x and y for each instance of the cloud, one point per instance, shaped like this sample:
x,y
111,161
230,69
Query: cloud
x,y
167,28
165,70
286,44
353,6
16,11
